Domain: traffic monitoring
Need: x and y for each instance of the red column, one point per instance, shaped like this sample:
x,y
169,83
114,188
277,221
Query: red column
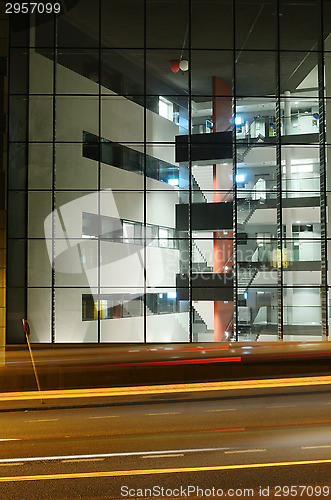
x,y
222,180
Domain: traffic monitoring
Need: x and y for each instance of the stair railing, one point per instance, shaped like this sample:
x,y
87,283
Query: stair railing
x,y
227,335
227,262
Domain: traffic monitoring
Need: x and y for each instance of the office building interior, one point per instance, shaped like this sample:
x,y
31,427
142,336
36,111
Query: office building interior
x,y
167,172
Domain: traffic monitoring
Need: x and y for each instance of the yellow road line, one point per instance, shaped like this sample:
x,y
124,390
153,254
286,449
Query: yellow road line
x,y
11,464
166,389
245,451
42,420
164,456
146,472
82,460
106,416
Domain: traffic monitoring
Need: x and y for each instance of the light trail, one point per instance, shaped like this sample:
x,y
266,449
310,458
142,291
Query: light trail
x,y
224,409
164,456
233,359
107,455
166,389
150,472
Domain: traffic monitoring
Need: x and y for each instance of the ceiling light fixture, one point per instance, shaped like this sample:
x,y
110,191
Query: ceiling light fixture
x,y
183,64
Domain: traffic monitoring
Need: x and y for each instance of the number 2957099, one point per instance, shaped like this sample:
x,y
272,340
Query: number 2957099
x,y
32,8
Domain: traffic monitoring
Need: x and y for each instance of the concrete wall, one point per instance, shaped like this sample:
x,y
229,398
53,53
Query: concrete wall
x,y
4,54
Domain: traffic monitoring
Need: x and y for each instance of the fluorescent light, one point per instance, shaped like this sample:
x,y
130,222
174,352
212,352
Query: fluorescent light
x,y
238,120
296,169
172,295
173,182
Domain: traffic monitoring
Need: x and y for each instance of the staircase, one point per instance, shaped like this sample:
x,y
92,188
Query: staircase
x,y
206,312
197,193
247,208
252,142
204,179
245,279
198,326
199,264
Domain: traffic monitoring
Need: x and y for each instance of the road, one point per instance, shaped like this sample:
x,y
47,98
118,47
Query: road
x,y
221,441
131,365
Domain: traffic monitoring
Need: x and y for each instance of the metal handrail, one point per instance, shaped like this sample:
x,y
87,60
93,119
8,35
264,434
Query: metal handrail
x,y
226,331
228,193
225,265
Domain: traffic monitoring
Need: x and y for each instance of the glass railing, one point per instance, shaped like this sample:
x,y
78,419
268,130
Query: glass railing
x,y
265,126
304,314
301,187
296,250
116,306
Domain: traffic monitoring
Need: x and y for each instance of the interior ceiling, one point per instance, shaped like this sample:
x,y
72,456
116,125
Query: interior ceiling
x,y
167,37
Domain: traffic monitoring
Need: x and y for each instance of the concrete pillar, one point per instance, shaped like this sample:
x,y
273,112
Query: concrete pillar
x,y
4,50
287,112
288,276
327,46
287,214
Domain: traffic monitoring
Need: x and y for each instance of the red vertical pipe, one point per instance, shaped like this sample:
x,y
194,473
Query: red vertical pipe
x,y
223,243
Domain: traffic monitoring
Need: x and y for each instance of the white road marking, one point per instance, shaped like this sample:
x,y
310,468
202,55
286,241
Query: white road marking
x,y
44,420
164,456
165,413
225,409
107,416
244,451
10,439
313,447
108,455
281,406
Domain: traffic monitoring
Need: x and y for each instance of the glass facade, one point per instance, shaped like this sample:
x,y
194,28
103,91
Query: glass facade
x,y
168,172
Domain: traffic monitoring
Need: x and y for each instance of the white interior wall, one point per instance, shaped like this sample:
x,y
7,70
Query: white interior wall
x,y
306,306
76,265
168,328
122,330
163,328
40,316
69,326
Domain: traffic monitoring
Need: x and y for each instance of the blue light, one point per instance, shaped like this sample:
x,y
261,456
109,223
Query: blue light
x,y
245,295
240,178
172,295
173,182
238,120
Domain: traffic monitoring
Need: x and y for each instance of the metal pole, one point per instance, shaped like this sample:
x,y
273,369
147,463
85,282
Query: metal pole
x,y
33,363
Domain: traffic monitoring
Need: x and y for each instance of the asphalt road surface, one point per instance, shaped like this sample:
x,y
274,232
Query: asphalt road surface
x,y
241,445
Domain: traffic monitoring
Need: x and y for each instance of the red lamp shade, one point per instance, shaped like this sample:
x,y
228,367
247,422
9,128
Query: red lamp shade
x,y
174,66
